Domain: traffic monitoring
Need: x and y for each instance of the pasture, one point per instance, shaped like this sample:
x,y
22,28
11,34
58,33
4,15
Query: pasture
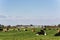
x,y
28,35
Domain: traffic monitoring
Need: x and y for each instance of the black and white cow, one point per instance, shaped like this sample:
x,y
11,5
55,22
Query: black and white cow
x,y
57,34
25,29
42,32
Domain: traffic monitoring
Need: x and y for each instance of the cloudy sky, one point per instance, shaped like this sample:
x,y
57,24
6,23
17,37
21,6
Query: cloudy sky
x,y
29,12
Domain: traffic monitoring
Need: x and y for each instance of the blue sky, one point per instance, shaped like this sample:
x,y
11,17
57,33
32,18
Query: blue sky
x,y
38,12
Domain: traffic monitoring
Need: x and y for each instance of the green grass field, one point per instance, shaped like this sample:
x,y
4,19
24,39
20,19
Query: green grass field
x,y
28,35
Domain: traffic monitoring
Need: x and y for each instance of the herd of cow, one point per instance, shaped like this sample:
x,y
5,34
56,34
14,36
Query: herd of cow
x,y
41,32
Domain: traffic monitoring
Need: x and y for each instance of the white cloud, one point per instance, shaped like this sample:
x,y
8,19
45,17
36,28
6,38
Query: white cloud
x,y
13,20
6,17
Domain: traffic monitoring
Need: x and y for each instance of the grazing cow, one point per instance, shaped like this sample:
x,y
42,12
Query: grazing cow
x,y
33,30
57,34
42,32
4,30
25,29
7,29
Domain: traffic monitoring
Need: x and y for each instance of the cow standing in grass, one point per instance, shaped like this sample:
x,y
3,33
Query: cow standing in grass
x,y
42,32
25,29
18,29
7,29
4,30
57,34
33,30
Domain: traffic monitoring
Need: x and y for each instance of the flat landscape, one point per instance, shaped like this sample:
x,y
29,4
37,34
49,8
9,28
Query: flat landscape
x,y
29,19
28,35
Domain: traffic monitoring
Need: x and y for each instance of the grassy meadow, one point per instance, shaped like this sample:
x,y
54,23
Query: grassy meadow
x,y
28,35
